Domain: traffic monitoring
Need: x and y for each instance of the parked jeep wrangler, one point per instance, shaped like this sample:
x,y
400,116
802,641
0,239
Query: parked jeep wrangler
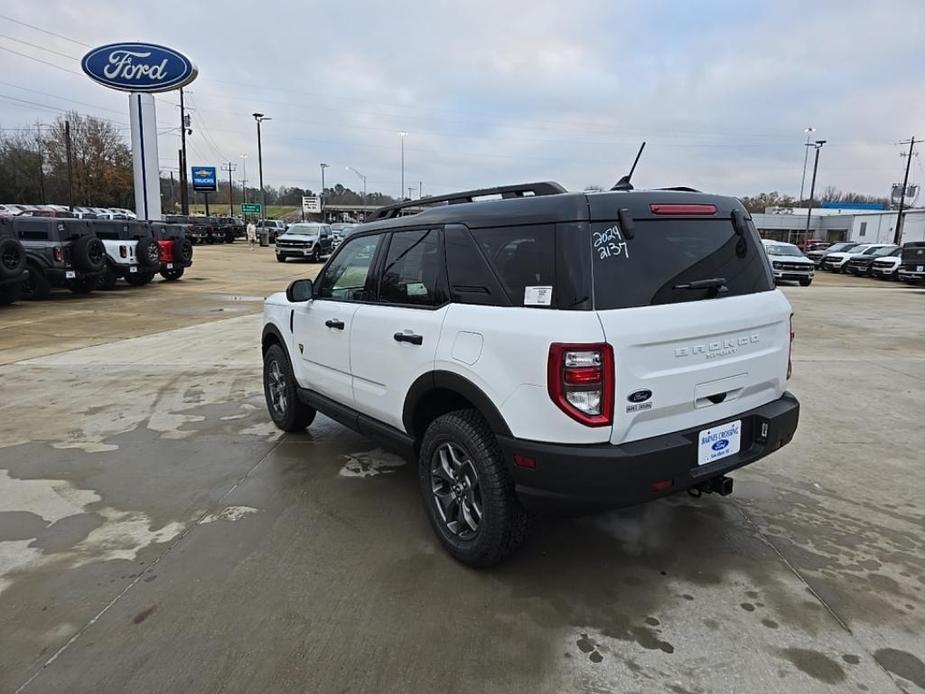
x,y
132,253
176,249
546,351
59,253
12,262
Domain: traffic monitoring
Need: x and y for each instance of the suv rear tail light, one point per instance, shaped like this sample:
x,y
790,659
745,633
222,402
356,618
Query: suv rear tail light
x,y
790,350
580,381
685,209
123,252
58,254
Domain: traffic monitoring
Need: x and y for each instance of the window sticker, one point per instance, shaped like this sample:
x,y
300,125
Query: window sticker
x,y
416,289
537,296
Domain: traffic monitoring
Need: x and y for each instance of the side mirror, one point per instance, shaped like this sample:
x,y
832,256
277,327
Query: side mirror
x,y
300,291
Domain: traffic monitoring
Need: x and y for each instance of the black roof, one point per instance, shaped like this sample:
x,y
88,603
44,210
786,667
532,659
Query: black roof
x,y
553,204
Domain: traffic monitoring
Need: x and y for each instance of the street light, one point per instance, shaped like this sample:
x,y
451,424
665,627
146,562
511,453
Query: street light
x,y
260,118
809,133
403,136
244,177
323,167
350,168
812,188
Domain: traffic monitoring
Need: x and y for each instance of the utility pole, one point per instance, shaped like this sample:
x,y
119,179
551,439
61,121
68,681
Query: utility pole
x,y
259,117
401,191
809,133
244,178
184,124
420,189
231,167
898,233
812,188
171,190
70,165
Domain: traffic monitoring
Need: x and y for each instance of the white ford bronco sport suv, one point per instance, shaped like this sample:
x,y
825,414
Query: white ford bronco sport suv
x,y
543,351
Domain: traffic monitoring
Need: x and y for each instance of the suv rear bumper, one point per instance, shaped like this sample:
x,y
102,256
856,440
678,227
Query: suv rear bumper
x,y
587,478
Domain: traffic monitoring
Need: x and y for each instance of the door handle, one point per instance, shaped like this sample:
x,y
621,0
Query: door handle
x,y
409,337
336,324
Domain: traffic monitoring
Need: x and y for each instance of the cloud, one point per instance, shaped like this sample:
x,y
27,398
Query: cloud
x,y
502,92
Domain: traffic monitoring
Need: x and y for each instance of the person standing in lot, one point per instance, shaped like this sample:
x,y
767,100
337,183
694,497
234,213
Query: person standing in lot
x,y
251,235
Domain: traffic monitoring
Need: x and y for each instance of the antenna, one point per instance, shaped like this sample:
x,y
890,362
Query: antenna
x,y
624,183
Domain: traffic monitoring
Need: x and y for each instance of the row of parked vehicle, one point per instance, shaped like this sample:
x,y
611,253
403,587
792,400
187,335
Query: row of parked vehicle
x,y
15,210
208,229
880,260
38,254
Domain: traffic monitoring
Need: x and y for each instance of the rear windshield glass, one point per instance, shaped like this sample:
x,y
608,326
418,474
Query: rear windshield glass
x,y
664,257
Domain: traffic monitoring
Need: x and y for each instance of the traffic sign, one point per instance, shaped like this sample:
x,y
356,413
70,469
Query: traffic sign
x,y
250,208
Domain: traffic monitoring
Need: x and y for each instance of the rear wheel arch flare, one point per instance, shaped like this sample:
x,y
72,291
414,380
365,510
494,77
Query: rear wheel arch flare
x,y
442,390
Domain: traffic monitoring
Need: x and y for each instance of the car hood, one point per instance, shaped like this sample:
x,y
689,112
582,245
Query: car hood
x,y
296,237
789,259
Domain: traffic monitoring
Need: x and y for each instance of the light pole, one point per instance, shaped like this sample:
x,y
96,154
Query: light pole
x,y
812,188
323,167
809,133
350,168
244,177
402,189
260,118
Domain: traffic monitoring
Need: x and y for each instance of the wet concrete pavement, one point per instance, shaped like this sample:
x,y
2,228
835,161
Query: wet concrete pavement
x,y
157,534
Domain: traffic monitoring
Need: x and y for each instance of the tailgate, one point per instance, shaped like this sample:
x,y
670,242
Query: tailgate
x,y
708,360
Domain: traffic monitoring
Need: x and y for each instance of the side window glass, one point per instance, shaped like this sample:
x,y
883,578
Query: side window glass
x,y
521,256
411,274
345,276
471,280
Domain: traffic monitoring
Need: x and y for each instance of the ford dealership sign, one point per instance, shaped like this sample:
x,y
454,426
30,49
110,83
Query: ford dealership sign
x,y
138,67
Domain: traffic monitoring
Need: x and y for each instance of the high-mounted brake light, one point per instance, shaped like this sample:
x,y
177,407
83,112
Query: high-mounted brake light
x,y
580,381
682,209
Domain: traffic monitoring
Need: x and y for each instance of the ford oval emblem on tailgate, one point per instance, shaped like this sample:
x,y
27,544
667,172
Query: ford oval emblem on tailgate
x,y
720,445
639,396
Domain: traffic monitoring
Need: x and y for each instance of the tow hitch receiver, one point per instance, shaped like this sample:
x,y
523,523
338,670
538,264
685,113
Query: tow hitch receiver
x,y
718,485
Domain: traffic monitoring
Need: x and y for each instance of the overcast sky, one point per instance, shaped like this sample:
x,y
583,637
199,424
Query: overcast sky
x,y
504,91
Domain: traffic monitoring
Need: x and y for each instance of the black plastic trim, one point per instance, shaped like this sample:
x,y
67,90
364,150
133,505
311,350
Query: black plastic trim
x,y
447,380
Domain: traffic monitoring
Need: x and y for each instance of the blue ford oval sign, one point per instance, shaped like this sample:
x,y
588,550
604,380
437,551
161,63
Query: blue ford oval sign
x,y
138,67
720,445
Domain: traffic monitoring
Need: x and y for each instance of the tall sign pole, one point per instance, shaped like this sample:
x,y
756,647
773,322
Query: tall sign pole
x,y
143,120
898,233
184,190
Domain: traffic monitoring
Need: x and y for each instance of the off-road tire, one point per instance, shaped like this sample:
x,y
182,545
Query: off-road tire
x,y
109,279
12,258
9,293
88,254
229,237
316,255
84,285
148,252
805,283
173,274
183,248
504,523
294,415
36,286
280,259
140,278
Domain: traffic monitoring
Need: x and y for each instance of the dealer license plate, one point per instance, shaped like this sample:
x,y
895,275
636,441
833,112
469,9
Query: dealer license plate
x,y
920,268
133,269
70,275
719,442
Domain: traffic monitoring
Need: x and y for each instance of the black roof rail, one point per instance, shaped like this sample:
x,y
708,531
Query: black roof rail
x,y
513,191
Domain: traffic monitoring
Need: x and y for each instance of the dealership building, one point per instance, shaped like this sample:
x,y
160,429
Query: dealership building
x,y
834,224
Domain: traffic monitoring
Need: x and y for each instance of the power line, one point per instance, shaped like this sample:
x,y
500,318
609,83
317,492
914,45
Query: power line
x,y
44,31
35,45
38,60
62,98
